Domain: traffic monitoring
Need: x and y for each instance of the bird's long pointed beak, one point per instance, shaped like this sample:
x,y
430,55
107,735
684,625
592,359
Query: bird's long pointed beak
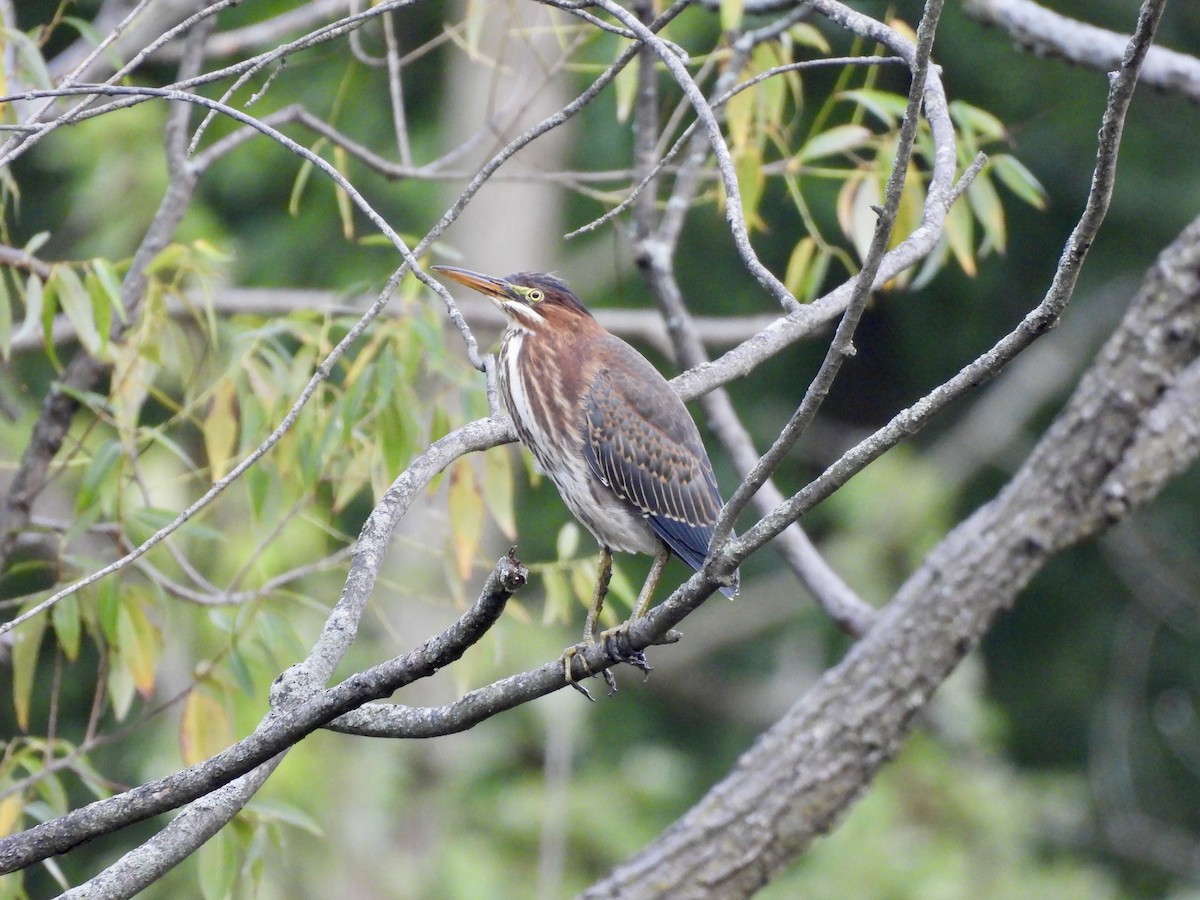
x,y
496,288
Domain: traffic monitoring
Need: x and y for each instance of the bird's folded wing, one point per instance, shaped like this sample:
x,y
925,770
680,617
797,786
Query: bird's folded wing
x,y
640,440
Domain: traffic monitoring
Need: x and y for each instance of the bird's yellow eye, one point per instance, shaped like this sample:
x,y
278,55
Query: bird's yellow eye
x,y
534,296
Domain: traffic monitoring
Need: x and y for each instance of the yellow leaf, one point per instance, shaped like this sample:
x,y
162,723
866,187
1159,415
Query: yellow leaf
x,y
731,14
625,85
139,644
498,481
799,265
220,429
751,182
10,813
960,233
204,728
739,120
465,503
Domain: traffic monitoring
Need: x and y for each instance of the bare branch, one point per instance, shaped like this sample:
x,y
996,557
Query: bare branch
x,y
1048,33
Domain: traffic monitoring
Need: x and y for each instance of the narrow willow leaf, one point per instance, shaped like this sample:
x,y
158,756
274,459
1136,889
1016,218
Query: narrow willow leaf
x,y
739,121
11,808
985,203
465,504
751,183
49,308
26,647
625,85
121,686
204,728
981,123
837,140
558,596
566,545
731,14
98,484
75,300
856,211
67,625
139,645
344,204
498,484
278,811
807,35
887,107
33,309
583,581
220,429
30,59
219,861
799,264
1019,180
6,319
960,233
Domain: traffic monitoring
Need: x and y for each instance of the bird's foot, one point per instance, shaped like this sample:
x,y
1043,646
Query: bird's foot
x,y
569,654
616,645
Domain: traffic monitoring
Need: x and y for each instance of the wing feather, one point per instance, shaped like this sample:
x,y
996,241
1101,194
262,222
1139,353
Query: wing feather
x,y
641,441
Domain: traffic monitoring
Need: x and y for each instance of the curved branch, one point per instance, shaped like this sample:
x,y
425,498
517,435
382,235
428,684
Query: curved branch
x,y
279,730
1133,423
1047,33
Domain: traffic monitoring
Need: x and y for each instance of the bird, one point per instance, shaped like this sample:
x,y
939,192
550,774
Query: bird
x,y
604,425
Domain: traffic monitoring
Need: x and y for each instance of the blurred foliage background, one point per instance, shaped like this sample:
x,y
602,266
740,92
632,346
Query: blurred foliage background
x,y
1061,761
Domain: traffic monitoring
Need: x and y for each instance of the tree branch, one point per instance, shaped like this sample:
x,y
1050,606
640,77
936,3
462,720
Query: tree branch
x,y
1047,33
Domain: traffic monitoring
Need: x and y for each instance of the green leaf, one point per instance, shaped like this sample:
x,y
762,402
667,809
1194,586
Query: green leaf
x,y
67,625
1019,180
889,108
49,308
798,264
109,284
302,176
219,862
978,122
807,35
837,140
108,605
99,483
26,647
33,309
751,182
76,302
985,203
6,319
29,58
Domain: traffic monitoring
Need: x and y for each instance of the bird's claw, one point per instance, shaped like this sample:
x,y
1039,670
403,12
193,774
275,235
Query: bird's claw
x,y
636,658
612,646
567,656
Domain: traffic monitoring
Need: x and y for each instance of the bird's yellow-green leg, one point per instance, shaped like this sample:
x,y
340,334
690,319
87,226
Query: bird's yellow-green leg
x,y
637,658
651,585
603,577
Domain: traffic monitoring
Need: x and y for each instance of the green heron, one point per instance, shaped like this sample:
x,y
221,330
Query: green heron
x,y
600,420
